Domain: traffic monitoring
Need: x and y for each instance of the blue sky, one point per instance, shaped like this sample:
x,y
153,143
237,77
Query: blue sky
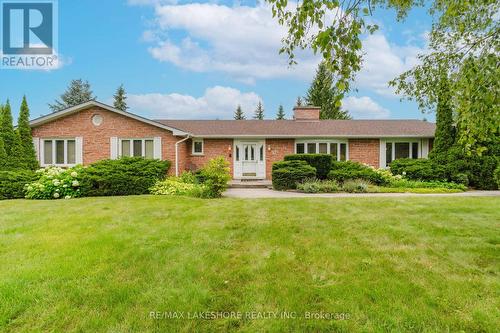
x,y
200,59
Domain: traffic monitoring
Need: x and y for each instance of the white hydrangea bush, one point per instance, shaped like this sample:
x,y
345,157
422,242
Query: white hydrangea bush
x,y
55,183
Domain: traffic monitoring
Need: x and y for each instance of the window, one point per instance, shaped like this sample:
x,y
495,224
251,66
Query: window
x,y
137,148
336,148
300,148
60,152
323,148
333,150
401,149
343,152
197,147
388,153
414,150
237,153
261,153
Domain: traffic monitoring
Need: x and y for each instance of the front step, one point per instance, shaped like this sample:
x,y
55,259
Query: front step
x,y
250,184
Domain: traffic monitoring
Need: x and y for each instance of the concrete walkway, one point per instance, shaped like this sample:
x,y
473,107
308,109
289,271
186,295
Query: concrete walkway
x,y
252,193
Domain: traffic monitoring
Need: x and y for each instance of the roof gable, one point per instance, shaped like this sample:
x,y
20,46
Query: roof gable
x,y
74,109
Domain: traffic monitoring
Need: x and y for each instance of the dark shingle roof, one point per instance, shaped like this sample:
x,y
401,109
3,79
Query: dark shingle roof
x,y
292,128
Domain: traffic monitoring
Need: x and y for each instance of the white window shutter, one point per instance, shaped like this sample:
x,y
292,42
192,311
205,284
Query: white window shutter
x,y
114,148
79,150
36,145
157,148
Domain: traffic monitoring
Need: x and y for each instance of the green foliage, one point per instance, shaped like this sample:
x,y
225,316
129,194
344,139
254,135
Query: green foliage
x,y
78,92
179,186
287,174
216,174
11,142
28,154
259,112
418,169
281,113
355,186
321,162
56,183
319,186
124,176
12,183
478,169
120,99
325,94
497,175
299,101
238,114
445,131
342,171
405,183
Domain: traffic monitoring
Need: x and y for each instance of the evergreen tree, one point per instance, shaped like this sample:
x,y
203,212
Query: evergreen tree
x,y
3,154
445,131
238,114
259,112
299,101
281,113
10,140
324,94
28,154
78,92
120,99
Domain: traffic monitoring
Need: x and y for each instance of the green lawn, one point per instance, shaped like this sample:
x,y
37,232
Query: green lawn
x,y
425,264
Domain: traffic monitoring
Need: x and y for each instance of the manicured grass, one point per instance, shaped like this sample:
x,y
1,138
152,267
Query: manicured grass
x,y
415,264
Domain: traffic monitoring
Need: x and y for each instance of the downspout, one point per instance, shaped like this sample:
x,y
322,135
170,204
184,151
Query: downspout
x,y
177,155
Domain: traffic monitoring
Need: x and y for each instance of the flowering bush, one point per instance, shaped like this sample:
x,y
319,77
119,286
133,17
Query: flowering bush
x,y
179,186
55,183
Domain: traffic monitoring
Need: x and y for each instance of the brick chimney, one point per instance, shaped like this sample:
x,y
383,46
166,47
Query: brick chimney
x,y
308,113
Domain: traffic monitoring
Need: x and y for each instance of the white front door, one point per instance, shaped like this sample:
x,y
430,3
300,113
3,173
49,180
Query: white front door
x,y
249,160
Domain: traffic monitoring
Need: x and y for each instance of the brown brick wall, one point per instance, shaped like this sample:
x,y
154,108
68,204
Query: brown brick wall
x,y
96,139
365,151
278,149
211,148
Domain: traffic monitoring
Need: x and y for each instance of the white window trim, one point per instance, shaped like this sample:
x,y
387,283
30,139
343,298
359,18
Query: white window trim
x,y
143,146
328,142
383,149
54,152
202,147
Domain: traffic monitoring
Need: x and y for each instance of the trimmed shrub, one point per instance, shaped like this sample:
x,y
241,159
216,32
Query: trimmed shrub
x,y
319,186
124,176
418,169
402,183
215,176
345,170
497,175
55,183
12,183
355,186
287,174
178,186
322,162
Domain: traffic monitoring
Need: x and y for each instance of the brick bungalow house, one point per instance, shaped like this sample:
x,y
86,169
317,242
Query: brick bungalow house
x,y
92,131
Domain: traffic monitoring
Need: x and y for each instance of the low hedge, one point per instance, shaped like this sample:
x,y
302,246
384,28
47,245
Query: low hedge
x,y
124,176
322,162
287,174
347,170
12,183
418,169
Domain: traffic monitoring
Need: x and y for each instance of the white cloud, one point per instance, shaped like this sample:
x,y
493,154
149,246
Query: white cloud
x,y
383,62
242,41
364,108
217,102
